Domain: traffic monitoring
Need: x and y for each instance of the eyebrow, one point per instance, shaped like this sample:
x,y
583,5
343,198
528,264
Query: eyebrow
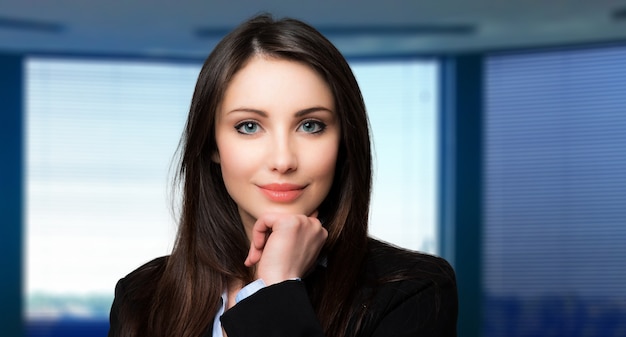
x,y
298,113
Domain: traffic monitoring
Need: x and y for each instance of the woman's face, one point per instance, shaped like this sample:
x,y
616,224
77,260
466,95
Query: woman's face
x,y
277,136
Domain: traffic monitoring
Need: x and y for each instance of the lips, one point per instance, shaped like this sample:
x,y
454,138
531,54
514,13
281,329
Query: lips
x,y
283,193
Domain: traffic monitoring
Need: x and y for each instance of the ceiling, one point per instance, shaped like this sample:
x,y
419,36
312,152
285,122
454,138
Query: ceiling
x,y
190,29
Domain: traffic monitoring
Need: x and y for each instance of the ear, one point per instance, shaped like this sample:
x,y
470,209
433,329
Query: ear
x,y
215,157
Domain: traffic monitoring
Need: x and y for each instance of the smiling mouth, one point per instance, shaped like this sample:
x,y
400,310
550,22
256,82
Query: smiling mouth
x,y
283,193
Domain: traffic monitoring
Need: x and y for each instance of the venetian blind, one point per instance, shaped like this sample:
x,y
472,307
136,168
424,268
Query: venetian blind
x,y
555,192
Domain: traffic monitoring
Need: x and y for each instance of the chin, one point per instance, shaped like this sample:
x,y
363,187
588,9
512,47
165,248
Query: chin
x,y
288,209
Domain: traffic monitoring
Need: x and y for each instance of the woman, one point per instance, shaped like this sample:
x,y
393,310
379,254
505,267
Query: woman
x,y
276,177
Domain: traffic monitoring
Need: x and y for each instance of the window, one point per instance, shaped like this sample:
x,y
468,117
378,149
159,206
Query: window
x,y
100,138
554,196
402,103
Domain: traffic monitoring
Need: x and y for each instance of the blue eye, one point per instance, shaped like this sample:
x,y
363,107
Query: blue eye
x,y
311,126
247,128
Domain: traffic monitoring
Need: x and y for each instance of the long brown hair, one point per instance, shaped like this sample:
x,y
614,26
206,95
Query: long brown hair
x,y
211,243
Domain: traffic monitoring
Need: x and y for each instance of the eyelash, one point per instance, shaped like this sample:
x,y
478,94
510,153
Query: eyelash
x,y
244,123
319,124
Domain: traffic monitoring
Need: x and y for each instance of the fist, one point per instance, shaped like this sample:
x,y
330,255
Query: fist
x,y
285,246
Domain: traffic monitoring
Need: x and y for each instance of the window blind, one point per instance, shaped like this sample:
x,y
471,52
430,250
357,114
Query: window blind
x,y
100,136
555,193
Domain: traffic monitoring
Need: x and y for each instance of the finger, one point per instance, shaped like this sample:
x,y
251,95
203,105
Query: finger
x,y
260,232
254,256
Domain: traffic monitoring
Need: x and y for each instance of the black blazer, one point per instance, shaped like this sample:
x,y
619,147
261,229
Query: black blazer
x,y
423,303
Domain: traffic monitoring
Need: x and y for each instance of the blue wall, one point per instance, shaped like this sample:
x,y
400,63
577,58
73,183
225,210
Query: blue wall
x,y
11,201
461,184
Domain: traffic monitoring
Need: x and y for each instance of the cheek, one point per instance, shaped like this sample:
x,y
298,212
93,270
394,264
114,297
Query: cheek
x,y
235,163
324,163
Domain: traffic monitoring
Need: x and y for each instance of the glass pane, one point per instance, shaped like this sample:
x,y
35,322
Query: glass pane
x,y
555,192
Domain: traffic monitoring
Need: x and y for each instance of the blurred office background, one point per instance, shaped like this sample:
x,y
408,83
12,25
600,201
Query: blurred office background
x,y
499,131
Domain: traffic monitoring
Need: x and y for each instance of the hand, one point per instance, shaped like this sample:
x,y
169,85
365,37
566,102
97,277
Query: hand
x,y
285,246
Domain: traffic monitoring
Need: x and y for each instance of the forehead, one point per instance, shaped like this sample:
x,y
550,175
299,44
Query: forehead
x,y
273,83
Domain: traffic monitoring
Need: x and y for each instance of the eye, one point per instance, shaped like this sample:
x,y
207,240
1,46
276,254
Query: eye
x,y
311,126
247,127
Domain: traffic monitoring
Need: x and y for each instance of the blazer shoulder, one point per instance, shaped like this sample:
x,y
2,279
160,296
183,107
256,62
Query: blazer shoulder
x,y
408,291
385,260
145,277
133,298
149,268
134,292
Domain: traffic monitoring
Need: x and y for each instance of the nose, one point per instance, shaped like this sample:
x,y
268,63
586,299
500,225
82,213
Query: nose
x,y
283,156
